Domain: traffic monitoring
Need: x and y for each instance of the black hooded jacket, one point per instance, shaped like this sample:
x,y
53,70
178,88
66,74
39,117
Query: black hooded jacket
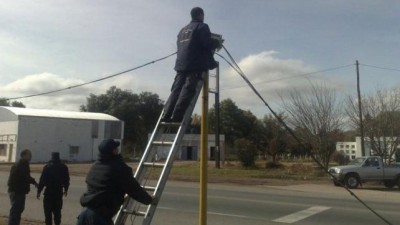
x,y
195,48
55,177
108,180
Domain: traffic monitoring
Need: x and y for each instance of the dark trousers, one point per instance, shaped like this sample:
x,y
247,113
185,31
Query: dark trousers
x,y
52,205
91,217
182,91
17,207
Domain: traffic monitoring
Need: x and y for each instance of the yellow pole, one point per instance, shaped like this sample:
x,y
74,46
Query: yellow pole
x,y
204,153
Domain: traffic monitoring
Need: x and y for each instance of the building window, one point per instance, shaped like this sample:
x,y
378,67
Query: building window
x,y
341,146
353,152
73,150
353,157
347,151
353,146
347,146
3,149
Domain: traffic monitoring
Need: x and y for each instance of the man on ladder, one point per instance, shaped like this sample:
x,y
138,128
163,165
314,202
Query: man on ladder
x,y
194,59
194,56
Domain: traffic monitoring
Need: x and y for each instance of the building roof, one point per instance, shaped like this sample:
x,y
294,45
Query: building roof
x,y
12,113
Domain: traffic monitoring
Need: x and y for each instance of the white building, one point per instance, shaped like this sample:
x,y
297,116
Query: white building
x,y
189,148
75,135
353,150
349,149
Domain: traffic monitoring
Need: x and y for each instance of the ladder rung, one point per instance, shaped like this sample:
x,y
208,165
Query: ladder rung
x,y
163,142
136,213
150,188
153,164
177,124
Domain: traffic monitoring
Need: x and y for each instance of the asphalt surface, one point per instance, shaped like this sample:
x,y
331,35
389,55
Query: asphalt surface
x,y
309,204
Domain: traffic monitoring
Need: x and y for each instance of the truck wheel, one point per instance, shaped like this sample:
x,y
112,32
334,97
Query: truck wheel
x,y
389,183
351,181
337,183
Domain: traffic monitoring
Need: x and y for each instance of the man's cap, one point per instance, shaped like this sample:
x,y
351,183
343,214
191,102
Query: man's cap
x,y
196,12
107,146
55,156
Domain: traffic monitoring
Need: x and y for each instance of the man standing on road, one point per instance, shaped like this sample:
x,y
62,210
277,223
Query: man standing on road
x,y
55,177
19,185
194,56
108,180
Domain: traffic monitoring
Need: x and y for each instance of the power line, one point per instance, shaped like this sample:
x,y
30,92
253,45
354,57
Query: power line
x,y
380,67
94,81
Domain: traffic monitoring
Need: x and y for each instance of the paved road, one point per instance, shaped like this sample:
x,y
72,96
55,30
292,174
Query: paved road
x,y
231,204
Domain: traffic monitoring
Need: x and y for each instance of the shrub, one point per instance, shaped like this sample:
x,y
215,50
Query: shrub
x,y
246,151
274,165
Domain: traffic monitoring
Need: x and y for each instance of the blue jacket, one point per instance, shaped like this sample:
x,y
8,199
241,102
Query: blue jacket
x,y
195,48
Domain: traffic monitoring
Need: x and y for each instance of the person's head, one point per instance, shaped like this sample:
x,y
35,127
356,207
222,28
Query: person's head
x,y
109,147
26,155
55,156
197,14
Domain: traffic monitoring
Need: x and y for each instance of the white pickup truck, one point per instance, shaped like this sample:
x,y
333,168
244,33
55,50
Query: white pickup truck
x,y
365,169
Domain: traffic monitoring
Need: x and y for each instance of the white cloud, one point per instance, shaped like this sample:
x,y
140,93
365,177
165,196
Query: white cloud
x,y
69,99
271,76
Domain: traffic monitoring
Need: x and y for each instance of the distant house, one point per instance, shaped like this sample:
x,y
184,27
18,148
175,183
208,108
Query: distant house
x,y
189,148
352,150
75,135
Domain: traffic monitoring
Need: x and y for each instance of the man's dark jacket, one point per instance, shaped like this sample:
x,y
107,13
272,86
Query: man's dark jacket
x,y
55,177
108,180
195,48
20,178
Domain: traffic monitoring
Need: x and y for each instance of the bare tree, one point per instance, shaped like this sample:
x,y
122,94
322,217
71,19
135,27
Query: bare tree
x,y
317,117
382,121
275,137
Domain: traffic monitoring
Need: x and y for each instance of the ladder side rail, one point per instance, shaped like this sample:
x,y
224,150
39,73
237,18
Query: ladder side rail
x,y
139,171
121,216
172,154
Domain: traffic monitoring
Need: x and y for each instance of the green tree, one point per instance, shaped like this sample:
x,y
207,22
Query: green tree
x,y
6,102
235,123
138,111
246,151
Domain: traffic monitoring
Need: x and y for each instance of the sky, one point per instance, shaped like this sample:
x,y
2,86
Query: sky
x,y
280,45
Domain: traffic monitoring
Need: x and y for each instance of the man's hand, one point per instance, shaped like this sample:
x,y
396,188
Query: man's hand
x,y
155,200
38,196
65,193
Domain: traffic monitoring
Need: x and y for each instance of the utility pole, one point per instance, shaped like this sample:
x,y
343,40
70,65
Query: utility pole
x,y
359,110
217,152
204,154
217,145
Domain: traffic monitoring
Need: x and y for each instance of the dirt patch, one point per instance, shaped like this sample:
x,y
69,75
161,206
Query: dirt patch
x,y
4,221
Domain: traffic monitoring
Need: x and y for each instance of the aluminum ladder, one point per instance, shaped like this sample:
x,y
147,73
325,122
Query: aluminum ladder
x,y
166,136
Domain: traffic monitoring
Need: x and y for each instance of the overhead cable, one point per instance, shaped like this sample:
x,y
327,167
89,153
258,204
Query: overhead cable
x,y
380,67
94,81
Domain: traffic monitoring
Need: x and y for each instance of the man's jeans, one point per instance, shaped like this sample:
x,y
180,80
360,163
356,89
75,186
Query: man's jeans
x,y
17,207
